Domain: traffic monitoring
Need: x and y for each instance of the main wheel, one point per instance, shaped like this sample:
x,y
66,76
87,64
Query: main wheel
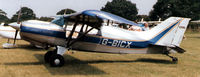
x,y
48,55
57,60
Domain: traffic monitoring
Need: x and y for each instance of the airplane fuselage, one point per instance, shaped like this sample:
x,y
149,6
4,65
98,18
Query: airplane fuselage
x,y
52,34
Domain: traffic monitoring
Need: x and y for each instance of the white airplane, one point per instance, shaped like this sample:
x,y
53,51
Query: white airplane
x,y
197,21
155,22
9,33
95,33
150,23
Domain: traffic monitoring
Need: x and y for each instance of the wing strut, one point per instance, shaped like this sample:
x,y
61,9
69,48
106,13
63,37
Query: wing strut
x,y
71,41
80,37
71,33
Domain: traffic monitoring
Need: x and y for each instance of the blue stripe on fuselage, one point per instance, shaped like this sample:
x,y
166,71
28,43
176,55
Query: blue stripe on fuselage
x,y
115,43
158,37
45,32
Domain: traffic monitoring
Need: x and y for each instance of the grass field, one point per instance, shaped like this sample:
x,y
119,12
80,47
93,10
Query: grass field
x,y
26,61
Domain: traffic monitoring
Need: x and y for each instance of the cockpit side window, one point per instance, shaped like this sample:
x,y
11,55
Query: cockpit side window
x,y
59,21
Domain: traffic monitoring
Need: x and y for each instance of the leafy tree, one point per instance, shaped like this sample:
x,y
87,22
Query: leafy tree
x,y
65,11
26,14
45,19
3,17
179,8
2,12
123,8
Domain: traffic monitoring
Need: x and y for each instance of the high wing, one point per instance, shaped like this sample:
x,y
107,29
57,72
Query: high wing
x,y
91,17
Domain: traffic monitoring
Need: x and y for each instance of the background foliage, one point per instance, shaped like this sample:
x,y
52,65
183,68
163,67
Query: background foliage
x,y
26,14
123,8
179,8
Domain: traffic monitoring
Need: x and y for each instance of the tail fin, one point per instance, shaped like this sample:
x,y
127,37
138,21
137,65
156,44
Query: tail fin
x,y
170,32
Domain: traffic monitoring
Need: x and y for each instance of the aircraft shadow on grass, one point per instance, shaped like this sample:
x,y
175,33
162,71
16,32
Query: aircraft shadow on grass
x,y
75,66
72,67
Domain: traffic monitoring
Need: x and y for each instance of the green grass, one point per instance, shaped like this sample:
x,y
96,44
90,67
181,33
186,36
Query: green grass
x,y
26,61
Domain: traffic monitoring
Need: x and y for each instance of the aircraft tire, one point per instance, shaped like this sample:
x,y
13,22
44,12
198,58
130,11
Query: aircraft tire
x,y
57,60
48,55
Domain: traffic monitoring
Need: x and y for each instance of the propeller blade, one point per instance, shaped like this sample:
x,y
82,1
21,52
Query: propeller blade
x,y
15,36
18,22
19,15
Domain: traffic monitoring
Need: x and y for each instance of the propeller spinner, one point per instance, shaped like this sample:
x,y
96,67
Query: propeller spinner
x,y
15,25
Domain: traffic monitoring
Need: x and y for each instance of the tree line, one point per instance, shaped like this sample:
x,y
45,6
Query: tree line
x,y
28,14
127,9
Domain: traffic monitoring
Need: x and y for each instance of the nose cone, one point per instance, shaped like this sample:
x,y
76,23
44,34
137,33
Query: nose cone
x,y
15,25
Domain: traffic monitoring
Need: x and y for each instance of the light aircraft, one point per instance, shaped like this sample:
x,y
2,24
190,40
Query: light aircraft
x,y
197,21
150,23
9,33
93,31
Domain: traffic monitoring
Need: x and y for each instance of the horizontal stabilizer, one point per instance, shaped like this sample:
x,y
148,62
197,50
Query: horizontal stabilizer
x,y
178,49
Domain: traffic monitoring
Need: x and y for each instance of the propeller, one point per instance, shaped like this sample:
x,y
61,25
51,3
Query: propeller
x,y
15,25
18,22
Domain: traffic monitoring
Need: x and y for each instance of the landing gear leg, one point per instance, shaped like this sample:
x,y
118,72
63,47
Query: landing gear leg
x,y
174,59
8,41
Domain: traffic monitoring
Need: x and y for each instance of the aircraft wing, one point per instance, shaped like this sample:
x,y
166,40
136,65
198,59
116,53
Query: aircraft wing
x,y
95,15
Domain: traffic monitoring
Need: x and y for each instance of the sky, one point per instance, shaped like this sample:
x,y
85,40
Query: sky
x,y
51,7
